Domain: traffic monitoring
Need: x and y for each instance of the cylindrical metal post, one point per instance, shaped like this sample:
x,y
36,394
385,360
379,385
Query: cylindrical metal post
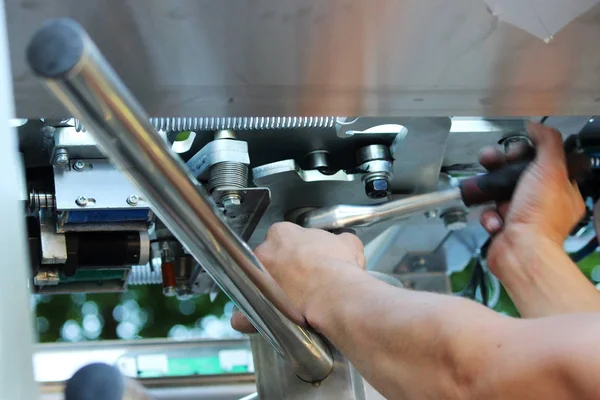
x,y
82,80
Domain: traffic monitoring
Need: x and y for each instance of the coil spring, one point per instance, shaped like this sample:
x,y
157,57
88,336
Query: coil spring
x,y
235,123
228,174
41,201
145,275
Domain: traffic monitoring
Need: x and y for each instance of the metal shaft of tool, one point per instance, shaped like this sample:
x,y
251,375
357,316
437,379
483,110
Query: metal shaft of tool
x,y
79,76
346,216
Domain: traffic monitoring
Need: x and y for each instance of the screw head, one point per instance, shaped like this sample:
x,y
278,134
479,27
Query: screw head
x,y
133,200
169,291
81,201
61,159
79,165
377,188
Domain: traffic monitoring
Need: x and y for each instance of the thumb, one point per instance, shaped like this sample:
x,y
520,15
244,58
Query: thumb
x,y
549,144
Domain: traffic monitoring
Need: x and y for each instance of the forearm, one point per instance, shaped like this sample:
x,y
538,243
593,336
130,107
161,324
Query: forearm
x,y
407,344
540,277
419,345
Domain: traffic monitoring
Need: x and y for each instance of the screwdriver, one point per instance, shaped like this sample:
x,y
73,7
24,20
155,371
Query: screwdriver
x,y
495,186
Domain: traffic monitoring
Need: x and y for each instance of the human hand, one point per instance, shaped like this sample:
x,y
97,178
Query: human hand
x,y
545,205
304,262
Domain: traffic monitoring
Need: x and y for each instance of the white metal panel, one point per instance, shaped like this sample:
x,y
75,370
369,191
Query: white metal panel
x,y
323,57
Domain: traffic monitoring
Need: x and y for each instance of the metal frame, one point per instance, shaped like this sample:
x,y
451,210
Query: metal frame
x,y
16,329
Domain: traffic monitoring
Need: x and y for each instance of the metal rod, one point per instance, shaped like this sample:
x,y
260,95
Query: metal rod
x,y
16,322
79,76
345,216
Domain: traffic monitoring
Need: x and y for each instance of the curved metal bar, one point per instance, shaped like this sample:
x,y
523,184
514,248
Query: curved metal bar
x,y
79,76
345,216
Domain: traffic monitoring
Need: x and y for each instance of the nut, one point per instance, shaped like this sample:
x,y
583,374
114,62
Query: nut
x,y
81,201
231,201
377,188
455,219
61,158
133,200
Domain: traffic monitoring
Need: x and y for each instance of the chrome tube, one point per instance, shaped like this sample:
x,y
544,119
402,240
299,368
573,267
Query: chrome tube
x,y
346,216
79,76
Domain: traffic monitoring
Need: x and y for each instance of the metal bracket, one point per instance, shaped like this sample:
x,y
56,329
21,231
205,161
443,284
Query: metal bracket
x,y
98,182
54,245
244,218
216,152
422,262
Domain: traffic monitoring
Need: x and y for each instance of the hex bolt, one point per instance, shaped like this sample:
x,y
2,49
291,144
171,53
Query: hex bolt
x,y
455,219
431,214
79,165
61,158
231,200
377,188
133,200
419,263
81,201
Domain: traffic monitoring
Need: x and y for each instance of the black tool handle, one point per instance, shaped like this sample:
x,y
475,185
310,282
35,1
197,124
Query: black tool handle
x,y
499,185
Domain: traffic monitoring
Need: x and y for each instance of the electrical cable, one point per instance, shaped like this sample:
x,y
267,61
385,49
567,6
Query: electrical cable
x,y
477,282
586,250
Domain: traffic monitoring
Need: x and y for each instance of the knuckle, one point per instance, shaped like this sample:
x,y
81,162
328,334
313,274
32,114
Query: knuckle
x,y
281,228
353,241
262,252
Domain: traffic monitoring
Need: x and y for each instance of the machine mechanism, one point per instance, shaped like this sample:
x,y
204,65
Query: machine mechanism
x,y
114,197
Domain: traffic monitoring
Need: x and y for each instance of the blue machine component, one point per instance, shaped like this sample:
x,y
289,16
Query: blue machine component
x,y
106,216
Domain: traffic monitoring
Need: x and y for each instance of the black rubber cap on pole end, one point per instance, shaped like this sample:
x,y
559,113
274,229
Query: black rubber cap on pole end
x,y
95,382
56,48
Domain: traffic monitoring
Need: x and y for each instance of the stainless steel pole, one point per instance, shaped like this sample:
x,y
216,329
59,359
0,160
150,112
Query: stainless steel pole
x,y
79,76
16,328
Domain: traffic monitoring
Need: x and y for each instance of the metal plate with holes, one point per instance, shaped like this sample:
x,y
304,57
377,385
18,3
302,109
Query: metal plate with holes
x,y
244,218
99,182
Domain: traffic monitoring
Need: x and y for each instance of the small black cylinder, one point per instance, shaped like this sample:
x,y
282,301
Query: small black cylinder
x,y
105,249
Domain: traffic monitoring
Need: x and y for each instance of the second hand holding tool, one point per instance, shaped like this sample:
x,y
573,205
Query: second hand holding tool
x,y
495,186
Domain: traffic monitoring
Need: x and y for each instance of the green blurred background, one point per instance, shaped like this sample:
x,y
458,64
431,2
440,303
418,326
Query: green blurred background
x,y
143,312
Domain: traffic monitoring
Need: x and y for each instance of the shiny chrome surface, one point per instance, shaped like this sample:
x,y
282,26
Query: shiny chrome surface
x,y
275,380
93,93
345,216
219,58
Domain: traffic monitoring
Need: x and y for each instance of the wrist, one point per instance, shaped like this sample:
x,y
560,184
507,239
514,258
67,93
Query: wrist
x,y
519,255
340,280
539,276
